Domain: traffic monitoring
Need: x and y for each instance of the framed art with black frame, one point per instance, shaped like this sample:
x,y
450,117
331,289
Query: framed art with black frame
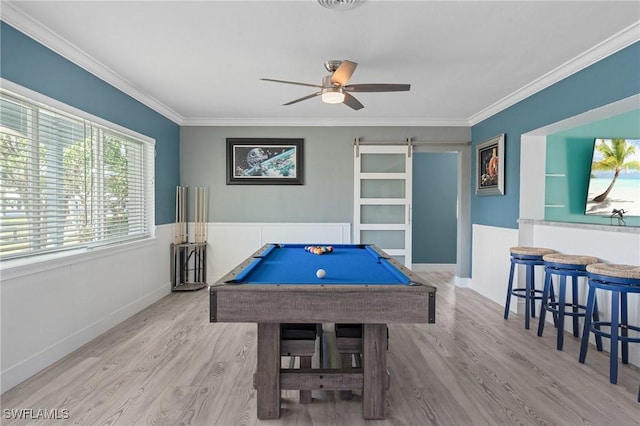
x,y
256,161
490,166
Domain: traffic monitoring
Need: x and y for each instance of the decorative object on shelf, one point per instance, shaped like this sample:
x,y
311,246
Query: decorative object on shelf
x,y
490,166
618,214
254,161
189,259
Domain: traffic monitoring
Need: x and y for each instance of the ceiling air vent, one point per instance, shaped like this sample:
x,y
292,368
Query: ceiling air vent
x,y
340,4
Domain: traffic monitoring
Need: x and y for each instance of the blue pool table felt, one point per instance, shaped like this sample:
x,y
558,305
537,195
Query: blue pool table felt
x,y
347,264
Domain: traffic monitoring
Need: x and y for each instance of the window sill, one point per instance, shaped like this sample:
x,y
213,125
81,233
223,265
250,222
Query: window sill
x,y
14,268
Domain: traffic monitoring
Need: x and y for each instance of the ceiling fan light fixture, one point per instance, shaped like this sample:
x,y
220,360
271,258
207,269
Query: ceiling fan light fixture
x,y
332,95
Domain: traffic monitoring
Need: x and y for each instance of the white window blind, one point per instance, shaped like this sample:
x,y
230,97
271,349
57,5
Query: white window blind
x,y
68,182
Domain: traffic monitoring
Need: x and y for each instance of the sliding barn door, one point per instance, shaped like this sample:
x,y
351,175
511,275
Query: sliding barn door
x,y
382,198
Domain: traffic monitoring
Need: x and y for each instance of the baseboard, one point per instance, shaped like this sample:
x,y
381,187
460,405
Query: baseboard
x,y
462,282
17,373
434,267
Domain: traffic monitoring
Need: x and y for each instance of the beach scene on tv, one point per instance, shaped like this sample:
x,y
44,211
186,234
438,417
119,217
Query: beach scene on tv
x,y
614,183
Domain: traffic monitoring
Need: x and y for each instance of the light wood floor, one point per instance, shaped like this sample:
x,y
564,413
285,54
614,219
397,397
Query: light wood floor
x,y
168,365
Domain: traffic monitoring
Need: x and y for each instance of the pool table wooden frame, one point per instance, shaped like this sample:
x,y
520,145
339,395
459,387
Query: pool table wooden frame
x,y
272,304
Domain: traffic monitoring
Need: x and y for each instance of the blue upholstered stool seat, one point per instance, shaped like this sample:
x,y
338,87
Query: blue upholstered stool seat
x,y
619,280
563,265
530,257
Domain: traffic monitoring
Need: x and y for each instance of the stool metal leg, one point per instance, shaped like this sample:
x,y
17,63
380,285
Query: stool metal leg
x,y
545,302
561,304
528,299
587,325
613,353
552,297
575,301
509,288
532,288
624,327
548,294
596,319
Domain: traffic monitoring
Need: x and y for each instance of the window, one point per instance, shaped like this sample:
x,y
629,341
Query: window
x,y
69,182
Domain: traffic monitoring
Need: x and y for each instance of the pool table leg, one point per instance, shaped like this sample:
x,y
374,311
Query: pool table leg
x,y
374,364
268,371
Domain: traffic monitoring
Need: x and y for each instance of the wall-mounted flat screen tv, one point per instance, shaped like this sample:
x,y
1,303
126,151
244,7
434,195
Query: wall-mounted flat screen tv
x,y
614,182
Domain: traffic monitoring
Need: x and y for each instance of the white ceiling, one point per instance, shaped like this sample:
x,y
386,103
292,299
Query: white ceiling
x,y
200,62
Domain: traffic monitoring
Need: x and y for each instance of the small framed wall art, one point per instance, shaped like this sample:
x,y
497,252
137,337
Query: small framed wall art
x,y
490,166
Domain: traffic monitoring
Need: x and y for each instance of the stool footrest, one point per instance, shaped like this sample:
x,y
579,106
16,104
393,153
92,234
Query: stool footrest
x,y
593,328
555,307
517,292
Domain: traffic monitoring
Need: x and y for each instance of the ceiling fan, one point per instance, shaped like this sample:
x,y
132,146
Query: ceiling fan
x,y
334,88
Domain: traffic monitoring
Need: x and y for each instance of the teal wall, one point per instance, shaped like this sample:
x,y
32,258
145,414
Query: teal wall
x,y
569,154
611,79
435,180
30,64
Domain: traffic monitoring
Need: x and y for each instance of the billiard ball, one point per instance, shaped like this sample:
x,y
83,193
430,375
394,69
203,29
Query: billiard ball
x,y
320,273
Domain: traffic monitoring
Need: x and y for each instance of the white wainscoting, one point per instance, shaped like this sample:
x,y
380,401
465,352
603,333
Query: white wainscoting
x,y
491,261
51,308
231,243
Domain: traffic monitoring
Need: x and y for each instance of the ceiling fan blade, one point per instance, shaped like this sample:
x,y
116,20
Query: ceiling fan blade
x,y
313,95
377,87
352,102
291,82
343,73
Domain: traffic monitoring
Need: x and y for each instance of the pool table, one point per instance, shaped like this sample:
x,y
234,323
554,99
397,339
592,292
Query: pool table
x,y
278,284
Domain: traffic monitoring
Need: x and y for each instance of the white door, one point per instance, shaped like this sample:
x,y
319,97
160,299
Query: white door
x,y
382,198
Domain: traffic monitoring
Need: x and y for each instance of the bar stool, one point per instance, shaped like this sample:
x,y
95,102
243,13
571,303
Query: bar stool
x,y
299,340
620,280
563,265
349,346
530,257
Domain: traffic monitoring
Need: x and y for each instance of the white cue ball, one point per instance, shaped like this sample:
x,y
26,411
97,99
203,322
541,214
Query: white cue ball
x,y
320,273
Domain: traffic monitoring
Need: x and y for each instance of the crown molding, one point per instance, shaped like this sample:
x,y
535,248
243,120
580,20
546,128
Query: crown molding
x,y
613,44
45,36
606,111
322,122
42,34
